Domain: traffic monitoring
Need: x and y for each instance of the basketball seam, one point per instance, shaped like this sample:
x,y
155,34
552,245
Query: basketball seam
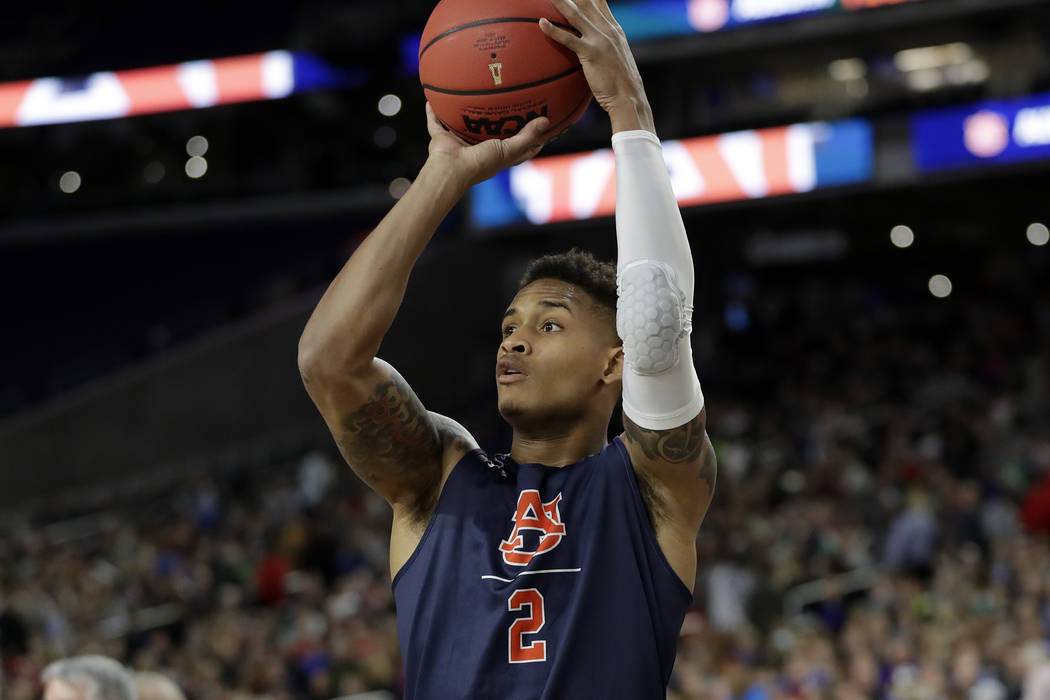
x,y
512,88
481,22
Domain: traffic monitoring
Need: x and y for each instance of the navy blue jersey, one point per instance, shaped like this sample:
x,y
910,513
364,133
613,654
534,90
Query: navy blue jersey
x,y
539,582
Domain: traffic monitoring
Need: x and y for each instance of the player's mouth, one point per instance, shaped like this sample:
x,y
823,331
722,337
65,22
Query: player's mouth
x,y
510,371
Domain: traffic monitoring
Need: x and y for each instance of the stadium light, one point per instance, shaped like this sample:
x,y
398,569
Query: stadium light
x,y
196,167
1038,234
389,105
69,182
197,146
902,236
940,286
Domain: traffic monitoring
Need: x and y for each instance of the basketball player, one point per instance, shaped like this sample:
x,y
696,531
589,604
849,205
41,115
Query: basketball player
x,y
564,568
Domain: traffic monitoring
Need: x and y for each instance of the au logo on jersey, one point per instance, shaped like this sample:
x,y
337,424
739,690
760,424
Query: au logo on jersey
x,y
533,514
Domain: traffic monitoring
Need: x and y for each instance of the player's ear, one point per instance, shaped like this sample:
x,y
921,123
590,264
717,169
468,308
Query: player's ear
x,y
613,366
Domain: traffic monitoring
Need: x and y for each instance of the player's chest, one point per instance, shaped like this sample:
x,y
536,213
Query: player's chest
x,y
530,525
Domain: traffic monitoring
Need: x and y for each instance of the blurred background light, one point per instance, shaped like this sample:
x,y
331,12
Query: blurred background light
x,y
154,172
196,167
846,69
902,236
927,57
389,105
197,146
69,182
940,286
1038,234
385,136
399,187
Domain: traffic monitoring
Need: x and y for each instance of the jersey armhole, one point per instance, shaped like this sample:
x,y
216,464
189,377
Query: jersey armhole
x,y
647,525
477,451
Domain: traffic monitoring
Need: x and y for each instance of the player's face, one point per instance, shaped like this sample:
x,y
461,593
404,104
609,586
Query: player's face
x,y
555,355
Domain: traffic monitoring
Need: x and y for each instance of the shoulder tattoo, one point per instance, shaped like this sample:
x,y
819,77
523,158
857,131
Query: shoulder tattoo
x,y
681,445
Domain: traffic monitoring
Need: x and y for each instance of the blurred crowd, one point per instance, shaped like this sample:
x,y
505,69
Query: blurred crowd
x,y
881,528
263,585
893,452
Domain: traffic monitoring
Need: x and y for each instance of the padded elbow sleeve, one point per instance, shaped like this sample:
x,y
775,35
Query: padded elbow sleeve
x,y
651,316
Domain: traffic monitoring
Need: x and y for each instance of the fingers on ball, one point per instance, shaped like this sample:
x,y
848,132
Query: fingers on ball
x,y
566,39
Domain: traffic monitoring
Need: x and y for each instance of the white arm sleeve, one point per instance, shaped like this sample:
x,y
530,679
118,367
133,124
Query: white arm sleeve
x,y
655,289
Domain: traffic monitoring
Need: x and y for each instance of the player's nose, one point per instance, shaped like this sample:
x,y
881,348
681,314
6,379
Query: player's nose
x,y
516,343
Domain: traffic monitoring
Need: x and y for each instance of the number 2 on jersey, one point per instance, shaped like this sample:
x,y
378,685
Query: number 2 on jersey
x,y
521,652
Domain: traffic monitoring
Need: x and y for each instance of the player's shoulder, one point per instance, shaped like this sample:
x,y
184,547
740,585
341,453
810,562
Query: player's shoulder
x,y
611,462
615,450
456,440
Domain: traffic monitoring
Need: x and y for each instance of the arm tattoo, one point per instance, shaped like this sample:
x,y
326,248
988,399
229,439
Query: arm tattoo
x,y
391,437
681,445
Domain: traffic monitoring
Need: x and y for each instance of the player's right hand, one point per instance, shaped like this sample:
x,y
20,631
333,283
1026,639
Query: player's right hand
x,y
607,61
477,163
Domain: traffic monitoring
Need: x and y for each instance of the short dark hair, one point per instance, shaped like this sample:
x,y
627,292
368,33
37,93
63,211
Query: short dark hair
x,y
581,269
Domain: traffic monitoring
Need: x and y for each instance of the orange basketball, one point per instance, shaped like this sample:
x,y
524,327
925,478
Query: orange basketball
x,y
488,69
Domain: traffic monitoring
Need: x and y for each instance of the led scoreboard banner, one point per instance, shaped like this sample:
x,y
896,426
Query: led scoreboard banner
x,y
190,85
652,19
643,20
735,166
995,131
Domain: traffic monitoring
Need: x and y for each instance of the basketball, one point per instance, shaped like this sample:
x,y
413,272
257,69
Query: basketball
x,y
488,69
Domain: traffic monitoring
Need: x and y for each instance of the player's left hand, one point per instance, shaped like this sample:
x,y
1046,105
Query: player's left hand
x,y
475,163
607,61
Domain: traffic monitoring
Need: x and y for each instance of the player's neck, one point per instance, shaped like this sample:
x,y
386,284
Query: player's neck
x,y
557,449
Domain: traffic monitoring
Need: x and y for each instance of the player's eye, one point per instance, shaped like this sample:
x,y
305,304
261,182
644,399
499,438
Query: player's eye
x,y
508,329
550,326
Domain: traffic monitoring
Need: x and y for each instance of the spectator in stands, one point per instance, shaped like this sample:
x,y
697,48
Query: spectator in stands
x,y
1036,662
913,536
88,678
155,686
1036,507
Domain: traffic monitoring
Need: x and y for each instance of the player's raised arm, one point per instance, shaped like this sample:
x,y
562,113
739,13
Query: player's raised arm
x,y
664,416
382,429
